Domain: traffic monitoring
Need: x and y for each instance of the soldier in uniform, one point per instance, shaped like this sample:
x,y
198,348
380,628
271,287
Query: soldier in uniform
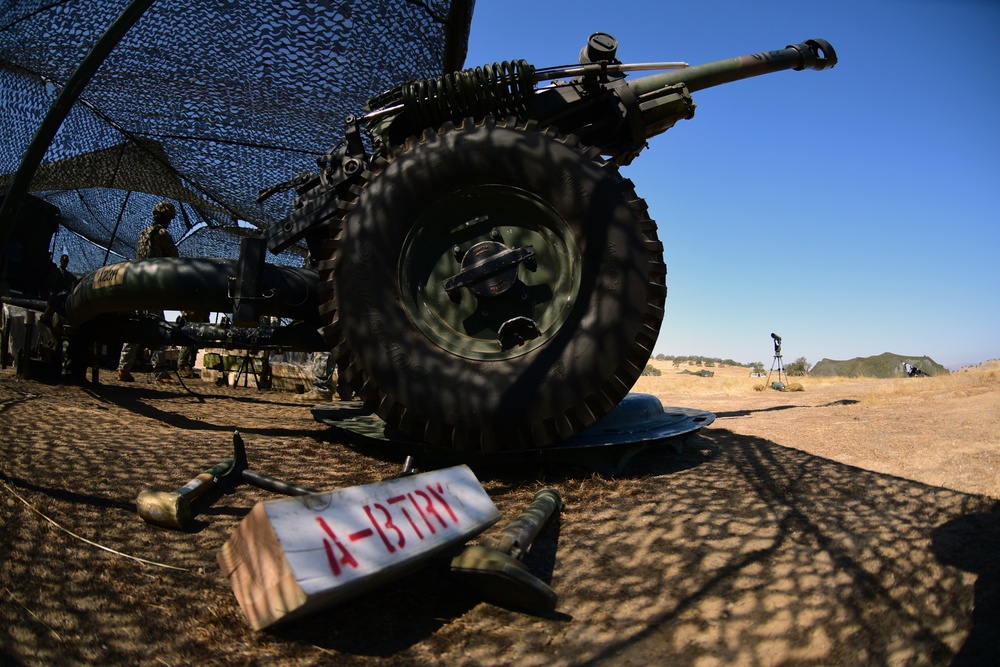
x,y
189,353
62,279
59,282
154,241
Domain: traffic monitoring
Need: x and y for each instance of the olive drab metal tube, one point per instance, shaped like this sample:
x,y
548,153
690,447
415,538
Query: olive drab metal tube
x,y
665,98
515,538
815,54
188,283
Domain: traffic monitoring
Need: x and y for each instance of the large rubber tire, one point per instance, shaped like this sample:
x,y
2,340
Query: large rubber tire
x,y
428,361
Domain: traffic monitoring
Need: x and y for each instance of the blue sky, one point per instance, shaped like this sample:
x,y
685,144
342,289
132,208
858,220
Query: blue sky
x,y
853,211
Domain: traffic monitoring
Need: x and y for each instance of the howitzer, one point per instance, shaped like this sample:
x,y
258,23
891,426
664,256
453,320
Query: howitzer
x,y
488,281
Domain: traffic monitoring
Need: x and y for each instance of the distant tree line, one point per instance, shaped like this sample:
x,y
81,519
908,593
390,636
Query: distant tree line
x,y
696,360
798,367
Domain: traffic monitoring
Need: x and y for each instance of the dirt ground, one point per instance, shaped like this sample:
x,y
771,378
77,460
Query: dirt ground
x,y
854,522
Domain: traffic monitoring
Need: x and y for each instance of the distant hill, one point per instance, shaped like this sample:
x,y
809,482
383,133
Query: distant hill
x,y
886,365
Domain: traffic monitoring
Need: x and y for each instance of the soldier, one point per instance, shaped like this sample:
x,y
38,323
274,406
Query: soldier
x,y
326,378
62,279
154,241
59,282
189,353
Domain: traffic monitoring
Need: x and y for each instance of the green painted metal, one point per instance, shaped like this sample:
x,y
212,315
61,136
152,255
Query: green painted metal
x,y
187,283
638,423
650,105
494,566
815,54
460,322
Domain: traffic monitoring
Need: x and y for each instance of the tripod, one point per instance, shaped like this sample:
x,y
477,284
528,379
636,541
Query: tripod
x,y
781,368
247,367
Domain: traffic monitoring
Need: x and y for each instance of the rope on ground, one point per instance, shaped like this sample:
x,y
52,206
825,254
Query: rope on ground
x,y
84,539
33,614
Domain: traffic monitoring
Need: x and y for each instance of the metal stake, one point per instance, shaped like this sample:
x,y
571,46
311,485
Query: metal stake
x,y
495,568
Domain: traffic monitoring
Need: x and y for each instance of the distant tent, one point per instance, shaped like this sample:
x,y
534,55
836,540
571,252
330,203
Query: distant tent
x,y
201,102
886,365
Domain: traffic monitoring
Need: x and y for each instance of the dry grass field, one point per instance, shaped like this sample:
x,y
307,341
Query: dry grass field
x,y
943,431
855,522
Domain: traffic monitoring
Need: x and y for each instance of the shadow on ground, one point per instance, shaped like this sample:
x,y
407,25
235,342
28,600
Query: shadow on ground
x,y
736,551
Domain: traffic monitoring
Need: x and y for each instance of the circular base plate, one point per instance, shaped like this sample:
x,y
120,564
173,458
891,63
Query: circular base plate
x,y
639,422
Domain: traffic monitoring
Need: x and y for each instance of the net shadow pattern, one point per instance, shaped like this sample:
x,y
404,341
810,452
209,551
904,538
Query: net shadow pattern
x,y
738,551
205,103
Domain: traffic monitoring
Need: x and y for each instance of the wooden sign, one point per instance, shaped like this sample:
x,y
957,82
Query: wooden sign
x,y
292,556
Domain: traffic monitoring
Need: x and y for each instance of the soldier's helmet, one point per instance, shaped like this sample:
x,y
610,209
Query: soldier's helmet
x,y
164,212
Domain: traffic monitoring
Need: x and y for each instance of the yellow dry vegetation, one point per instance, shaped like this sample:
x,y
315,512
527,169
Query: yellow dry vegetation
x,y
734,381
942,430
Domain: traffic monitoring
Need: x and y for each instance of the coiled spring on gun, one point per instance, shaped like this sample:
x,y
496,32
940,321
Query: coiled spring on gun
x,y
500,89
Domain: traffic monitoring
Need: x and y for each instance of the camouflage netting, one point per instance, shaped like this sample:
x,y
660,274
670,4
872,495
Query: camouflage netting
x,y
202,102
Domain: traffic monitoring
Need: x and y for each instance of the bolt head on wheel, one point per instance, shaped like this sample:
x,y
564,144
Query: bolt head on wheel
x,y
537,274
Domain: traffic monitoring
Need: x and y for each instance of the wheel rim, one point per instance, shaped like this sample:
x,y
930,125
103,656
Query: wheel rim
x,y
533,297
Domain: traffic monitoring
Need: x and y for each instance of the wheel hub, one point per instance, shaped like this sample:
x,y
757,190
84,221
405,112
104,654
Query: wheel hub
x,y
518,272
489,268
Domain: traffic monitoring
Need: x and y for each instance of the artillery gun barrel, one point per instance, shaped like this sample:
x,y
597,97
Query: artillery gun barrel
x,y
629,112
814,54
